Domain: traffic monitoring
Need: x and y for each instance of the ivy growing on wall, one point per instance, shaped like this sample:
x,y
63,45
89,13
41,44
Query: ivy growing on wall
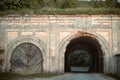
x,y
1,52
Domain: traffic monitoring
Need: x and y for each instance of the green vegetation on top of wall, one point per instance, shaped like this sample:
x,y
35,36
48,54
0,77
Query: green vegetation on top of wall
x,y
59,7
68,11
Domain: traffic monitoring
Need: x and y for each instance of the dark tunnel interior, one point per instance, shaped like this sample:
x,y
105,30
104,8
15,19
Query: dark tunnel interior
x,y
92,47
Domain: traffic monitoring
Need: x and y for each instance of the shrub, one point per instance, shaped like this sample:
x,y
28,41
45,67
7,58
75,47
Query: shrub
x,y
1,52
68,4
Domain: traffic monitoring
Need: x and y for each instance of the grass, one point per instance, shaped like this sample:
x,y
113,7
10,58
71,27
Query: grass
x,y
115,76
12,76
68,11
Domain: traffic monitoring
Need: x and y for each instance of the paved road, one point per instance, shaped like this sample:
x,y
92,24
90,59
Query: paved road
x,y
76,76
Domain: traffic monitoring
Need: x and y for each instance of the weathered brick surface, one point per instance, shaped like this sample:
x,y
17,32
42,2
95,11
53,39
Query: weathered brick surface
x,y
52,33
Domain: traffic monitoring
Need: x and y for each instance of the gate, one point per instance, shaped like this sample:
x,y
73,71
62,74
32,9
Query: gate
x,y
26,58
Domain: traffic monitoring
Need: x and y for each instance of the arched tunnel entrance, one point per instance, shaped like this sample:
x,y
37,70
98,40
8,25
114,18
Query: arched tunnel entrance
x,y
84,53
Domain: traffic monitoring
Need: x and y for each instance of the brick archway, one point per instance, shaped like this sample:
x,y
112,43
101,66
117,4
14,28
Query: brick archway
x,y
92,47
25,39
103,43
